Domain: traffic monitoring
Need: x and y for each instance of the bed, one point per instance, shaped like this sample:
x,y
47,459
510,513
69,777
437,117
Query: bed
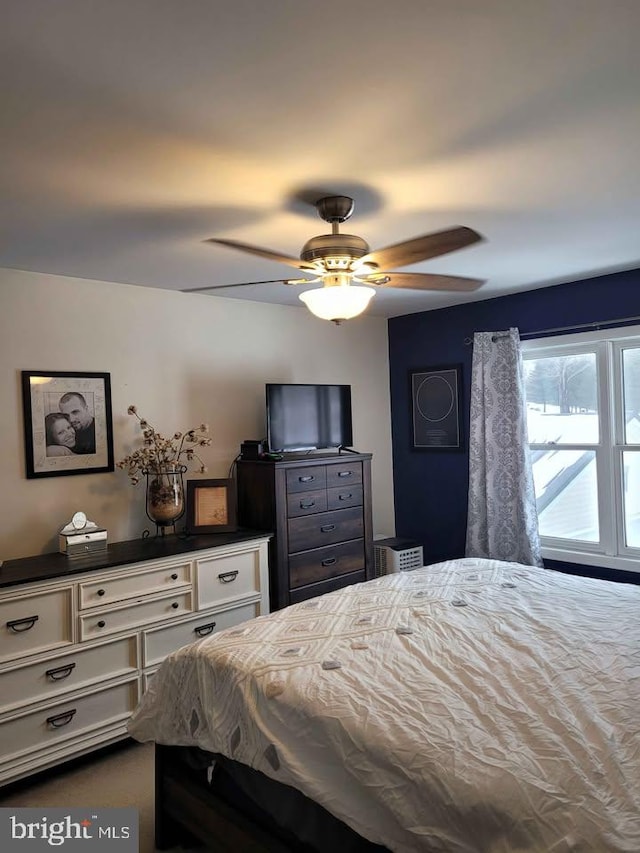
x,y
471,705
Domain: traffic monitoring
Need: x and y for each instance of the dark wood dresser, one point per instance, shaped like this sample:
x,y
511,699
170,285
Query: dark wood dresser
x,y
320,509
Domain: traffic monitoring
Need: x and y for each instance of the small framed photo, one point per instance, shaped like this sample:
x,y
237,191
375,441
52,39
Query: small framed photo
x,y
211,506
67,423
436,422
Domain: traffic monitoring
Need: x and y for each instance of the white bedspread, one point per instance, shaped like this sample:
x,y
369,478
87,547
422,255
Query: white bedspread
x,y
472,705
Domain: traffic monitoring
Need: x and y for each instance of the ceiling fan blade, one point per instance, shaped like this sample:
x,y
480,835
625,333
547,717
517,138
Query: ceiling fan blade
x,y
263,253
223,286
423,248
249,284
427,281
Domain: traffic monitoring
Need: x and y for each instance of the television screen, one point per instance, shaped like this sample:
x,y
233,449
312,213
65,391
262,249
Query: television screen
x,y
308,417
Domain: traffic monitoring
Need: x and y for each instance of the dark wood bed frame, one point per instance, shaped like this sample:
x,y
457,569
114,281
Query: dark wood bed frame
x,y
225,819
186,809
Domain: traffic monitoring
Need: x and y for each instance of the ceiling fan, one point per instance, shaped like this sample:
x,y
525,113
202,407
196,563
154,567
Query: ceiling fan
x,y
350,271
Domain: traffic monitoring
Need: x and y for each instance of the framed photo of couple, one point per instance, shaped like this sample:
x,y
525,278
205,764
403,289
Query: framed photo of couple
x,y
67,423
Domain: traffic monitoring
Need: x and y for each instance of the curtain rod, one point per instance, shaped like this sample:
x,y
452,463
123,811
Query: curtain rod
x,y
593,326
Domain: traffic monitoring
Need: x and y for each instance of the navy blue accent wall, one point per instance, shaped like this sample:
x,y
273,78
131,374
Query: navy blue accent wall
x,y
431,486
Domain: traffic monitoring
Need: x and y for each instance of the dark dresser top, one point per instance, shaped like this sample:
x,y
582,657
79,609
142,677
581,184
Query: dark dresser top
x,y
47,566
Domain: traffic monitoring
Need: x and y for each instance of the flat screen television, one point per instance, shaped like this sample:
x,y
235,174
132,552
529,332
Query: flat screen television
x,y
308,417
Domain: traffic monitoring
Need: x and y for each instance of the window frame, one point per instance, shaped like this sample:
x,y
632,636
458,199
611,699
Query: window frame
x,y
620,445
611,551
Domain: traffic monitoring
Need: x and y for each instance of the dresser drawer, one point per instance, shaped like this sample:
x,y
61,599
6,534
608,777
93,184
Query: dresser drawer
x,y
35,623
97,593
99,623
323,563
331,584
65,720
306,479
71,671
157,643
344,496
228,577
306,503
315,531
347,473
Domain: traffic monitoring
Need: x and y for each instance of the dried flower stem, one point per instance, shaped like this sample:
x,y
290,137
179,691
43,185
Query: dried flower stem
x,y
159,452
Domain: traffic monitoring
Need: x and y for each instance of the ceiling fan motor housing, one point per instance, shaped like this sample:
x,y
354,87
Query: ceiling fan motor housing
x,y
337,251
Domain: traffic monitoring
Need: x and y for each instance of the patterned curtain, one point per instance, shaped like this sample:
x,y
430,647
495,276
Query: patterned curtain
x,y
502,522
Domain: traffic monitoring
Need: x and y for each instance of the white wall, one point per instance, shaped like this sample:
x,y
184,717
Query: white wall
x,y
181,359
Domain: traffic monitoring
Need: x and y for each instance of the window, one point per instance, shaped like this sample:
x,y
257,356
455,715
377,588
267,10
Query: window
x,y
583,419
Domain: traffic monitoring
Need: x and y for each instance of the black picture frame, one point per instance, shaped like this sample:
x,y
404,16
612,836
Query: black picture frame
x,y
436,419
49,450
211,506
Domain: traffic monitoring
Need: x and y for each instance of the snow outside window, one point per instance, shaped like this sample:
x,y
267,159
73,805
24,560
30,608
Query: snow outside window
x,y
583,420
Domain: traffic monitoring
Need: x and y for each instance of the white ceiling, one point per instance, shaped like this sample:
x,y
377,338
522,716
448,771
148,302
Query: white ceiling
x,y
134,129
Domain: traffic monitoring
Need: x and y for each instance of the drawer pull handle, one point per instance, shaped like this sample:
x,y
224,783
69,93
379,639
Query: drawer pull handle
x,y
307,505
228,577
327,528
345,473
101,623
60,720
60,672
329,561
100,592
175,605
174,577
307,478
345,497
19,626
204,630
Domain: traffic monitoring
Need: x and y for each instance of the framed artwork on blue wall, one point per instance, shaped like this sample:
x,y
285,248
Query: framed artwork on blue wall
x,y
436,422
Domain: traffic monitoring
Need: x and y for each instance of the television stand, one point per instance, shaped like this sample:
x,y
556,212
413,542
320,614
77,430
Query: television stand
x,y
343,449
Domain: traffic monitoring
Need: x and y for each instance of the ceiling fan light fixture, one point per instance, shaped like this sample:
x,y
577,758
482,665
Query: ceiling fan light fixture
x,y
338,302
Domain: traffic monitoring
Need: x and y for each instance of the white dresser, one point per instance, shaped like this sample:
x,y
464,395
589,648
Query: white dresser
x,y
80,638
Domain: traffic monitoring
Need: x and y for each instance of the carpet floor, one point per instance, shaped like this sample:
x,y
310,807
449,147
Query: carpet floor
x,y
119,776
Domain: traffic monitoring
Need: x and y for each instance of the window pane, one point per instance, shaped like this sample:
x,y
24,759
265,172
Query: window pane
x,y
631,381
562,399
631,468
566,486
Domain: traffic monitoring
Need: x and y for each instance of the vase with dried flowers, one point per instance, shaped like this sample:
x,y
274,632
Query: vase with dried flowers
x,y
162,461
